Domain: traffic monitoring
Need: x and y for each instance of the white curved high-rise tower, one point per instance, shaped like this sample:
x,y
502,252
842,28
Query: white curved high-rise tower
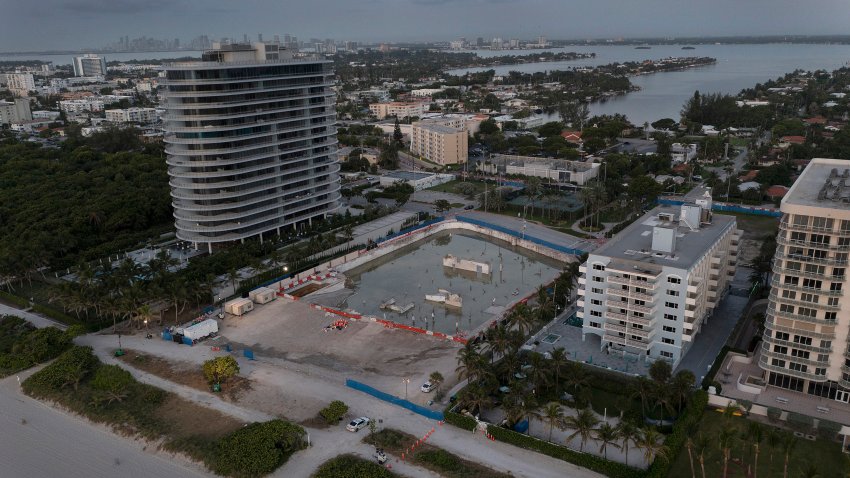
x,y
251,143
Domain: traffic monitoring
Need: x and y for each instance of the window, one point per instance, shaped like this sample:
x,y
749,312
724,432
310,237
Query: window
x,y
835,286
838,272
595,301
831,316
596,290
791,280
667,328
833,301
597,279
640,302
789,294
674,293
668,341
777,363
636,337
845,225
666,354
806,312
598,267
669,316
815,269
594,324
781,336
800,220
674,280
671,305
595,313
786,309
820,371
809,297
826,344
812,283
800,354
844,241
638,314
819,239
799,339
798,367
780,350
822,222
798,236
794,266
823,357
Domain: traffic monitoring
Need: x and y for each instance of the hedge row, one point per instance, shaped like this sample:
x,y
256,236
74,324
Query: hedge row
x,y
675,441
41,309
461,421
584,460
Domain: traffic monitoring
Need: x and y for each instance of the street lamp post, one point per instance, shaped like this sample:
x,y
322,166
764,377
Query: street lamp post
x,y
406,381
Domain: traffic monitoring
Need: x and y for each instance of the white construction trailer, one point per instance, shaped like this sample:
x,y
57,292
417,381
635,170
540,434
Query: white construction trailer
x,y
262,295
239,306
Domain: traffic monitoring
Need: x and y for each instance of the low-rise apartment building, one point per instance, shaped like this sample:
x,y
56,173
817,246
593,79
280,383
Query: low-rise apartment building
x,y
15,111
398,109
561,170
651,289
132,115
806,345
438,143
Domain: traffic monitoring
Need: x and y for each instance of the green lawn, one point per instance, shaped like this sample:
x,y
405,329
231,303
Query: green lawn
x,y
452,186
755,226
825,455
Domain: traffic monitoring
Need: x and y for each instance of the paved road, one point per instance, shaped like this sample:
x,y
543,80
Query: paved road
x,y
41,442
35,319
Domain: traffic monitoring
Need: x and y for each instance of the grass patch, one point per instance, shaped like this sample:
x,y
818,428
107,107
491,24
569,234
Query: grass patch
x,y
76,382
467,188
428,456
755,227
347,466
826,456
184,373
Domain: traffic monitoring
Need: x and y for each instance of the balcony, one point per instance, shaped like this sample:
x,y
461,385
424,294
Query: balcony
x,y
629,294
770,325
764,363
766,350
625,305
775,282
774,296
783,241
812,260
784,225
632,282
625,341
771,312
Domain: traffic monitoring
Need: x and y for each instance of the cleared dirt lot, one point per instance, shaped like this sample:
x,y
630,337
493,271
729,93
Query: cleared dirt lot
x,y
295,333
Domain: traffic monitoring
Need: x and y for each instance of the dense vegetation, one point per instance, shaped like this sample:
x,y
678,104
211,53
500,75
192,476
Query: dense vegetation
x,y
94,195
22,345
351,466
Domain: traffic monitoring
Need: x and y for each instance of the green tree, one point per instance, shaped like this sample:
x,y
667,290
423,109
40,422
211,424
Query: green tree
x,y
220,369
583,423
789,443
629,433
755,435
436,379
397,134
606,435
726,441
651,444
553,415
442,205
642,189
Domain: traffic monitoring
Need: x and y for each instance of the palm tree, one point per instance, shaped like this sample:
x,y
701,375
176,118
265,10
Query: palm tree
x,y
521,318
475,398
788,444
436,379
773,440
663,401
726,440
642,389
606,435
690,441
755,434
583,423
730,410
700,446
539,371
144,314
628,432
499,341
558,362
680,387
650,442
810,471
577,378
553,415
469,362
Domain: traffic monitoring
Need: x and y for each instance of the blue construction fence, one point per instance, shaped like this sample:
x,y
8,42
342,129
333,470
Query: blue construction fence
x,y
406,230
511,232
724,207
418,409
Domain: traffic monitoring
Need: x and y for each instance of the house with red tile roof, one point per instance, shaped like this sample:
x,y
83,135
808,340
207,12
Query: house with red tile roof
x,y
776,191
750,176
572,136
792,140
820,120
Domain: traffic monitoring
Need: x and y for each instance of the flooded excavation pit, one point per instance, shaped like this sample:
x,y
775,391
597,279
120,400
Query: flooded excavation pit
x,y
450,282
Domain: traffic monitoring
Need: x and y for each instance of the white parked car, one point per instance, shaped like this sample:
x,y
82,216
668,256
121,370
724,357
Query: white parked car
x,y
358,423
427,387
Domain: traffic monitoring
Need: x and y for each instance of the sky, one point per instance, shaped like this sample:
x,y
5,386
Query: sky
x,y
75,24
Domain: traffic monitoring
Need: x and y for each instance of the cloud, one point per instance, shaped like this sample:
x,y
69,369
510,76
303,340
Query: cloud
x,y
118,7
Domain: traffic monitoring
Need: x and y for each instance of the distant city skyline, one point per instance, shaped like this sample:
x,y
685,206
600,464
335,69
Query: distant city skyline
x,y
80,24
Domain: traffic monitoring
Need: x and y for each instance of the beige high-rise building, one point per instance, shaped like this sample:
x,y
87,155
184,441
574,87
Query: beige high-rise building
x,y
436,141
805,346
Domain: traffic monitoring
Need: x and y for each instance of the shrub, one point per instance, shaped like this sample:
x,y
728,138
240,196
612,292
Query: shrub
x,y
334,412
773,413
67,370
441,459
258,449
460,421
350,466
111,383
219,369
